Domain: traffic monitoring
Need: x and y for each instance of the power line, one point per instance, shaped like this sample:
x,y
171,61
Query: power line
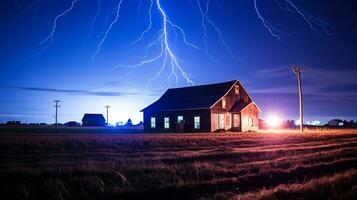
x,y
107,107
56,113
297,71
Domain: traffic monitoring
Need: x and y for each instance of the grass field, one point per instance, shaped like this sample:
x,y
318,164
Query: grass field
x,y
284,165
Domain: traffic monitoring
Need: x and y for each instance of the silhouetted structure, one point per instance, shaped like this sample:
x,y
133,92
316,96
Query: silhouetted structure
x,y
93,120
56,113
13,123
72,123
214,107
335,122
129,123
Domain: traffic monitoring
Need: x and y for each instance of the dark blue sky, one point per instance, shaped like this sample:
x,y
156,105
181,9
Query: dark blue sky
x,y
32,76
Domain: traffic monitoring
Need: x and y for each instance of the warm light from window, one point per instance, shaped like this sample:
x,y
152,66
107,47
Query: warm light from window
x,y
224,103
236,89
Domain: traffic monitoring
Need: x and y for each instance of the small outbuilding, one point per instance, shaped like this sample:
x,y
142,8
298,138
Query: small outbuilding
x,y
93,120
203,108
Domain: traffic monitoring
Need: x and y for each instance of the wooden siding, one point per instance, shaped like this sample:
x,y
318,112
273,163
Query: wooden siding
x,y
188,115
209,118
251,111
231,97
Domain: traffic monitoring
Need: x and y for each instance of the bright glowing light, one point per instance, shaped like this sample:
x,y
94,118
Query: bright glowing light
x,y
314,123
274,121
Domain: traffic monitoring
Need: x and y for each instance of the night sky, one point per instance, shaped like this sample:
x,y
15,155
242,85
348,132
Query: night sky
x,y
33,74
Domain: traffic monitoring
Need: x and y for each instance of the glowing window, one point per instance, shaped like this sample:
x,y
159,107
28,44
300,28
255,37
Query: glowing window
x,y
153,122
236,89
166,122
224,103
197,123
179,119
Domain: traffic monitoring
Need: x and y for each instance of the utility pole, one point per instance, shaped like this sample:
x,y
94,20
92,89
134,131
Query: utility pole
x,y
297,71
107,107
56,114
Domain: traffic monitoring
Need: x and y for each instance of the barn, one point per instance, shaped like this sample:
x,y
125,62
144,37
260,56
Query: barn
x,y
93,120
203,108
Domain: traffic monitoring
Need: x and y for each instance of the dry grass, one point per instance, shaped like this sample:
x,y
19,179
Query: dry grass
x,y
283,165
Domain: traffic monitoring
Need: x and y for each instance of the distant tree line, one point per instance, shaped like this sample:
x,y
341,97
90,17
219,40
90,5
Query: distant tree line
x,y
291,124
128,124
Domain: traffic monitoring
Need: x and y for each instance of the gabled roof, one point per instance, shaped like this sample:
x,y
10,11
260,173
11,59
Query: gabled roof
x,y
194,97
239,106
93,117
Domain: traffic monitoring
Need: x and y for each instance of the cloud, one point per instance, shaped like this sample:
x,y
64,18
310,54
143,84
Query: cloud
x,y
116,83
86,92
326,92
274,72
313,76
110,84
314,80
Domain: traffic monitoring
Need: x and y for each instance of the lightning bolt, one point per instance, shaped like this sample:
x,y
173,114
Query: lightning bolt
x,y
94,19
99,47
287,5
149,25
58,17
205,19
139,12
33,4
204,28
311,20
166,53
218,31
266,24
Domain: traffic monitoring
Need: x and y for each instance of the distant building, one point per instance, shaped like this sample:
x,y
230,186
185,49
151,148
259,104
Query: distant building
x,y
93,120
128,123
335,122
17,123
72,123
204,108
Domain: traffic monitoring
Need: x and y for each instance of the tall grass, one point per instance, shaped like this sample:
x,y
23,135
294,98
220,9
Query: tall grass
x,y
176,166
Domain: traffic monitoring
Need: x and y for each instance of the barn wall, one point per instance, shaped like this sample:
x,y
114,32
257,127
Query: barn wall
x,y
215,112
231,97
209,117
251,111
188,115
214,120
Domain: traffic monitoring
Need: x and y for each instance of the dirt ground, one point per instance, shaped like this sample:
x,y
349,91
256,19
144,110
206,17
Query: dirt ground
x,y
264,165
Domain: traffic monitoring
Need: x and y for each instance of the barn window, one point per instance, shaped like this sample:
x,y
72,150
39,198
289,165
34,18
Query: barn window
x,y
153,122
197,122
166,122
236,89
179,119
224,102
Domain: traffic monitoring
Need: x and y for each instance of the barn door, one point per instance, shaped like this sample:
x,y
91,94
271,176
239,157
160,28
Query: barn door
x,y
221,121
236,120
